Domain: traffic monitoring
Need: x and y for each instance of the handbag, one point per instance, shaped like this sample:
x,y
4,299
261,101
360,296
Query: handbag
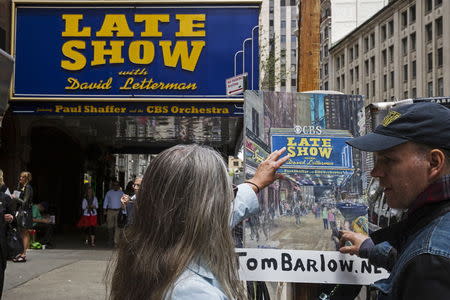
x,y
24,218
14,245
121,219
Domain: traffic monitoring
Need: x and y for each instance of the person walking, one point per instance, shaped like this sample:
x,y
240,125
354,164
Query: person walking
x,y
112,205
5,218
88,220
23,198
412,161
128,202
180,244
325,217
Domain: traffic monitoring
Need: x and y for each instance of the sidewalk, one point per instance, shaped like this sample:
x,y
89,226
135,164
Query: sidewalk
x,y
58,274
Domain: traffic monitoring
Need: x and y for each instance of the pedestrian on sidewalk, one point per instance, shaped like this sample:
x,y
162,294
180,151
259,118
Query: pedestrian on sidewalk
x,y
88,220
23,198
325,217
180,244
5,218
112,205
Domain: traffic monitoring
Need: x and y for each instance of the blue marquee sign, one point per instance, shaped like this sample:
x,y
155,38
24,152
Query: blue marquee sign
x,y
139,52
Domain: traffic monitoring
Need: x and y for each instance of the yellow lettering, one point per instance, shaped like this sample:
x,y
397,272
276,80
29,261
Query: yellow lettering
x,y
315,141
58,108
187,25
291,151
78,60
304,142
291,142
325,152
188,61
72,25
326,142
151,24
115,23
313,151
302,151
115,52
141,52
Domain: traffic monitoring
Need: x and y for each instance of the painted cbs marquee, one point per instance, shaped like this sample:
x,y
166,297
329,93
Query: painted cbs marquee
x,y
109,51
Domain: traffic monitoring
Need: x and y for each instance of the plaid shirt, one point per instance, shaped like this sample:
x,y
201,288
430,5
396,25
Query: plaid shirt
x,y
434,193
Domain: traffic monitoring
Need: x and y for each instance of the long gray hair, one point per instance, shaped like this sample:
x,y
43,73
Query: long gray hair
x,y
182,216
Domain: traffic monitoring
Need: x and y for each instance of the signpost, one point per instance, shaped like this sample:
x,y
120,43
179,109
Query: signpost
x,y
236,85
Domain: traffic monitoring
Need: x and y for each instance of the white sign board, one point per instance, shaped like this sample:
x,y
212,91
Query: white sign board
x,y
279,265
236,85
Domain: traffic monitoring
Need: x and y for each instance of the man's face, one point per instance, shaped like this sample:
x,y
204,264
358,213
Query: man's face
x,y
137,185
403,173
115,186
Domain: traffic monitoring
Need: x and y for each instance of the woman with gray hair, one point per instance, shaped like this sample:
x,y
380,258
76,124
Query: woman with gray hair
x,y
180,244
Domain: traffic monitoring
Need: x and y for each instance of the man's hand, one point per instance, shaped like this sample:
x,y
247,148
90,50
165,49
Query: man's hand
x,y
355,238
8,218
266,172
124,199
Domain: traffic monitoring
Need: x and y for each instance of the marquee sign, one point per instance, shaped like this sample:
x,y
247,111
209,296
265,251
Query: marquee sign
x,y
144,51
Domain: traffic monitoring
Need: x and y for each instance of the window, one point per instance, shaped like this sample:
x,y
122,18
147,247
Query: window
x,y
384,57
385,82
438,27
405,94
383,33
351,76
338,83
326,85
367,90
292,3
373,88
366,44
343,81
437,3
430,89
412,41
294,25
366,67
357,73
405,73
440,87
271,23
412,14
283,39
404,19
325,50
405,46
293,39
414,70
336,63
392,80
430,62
325,69
293,54
255,122
372,64
428,32
282,2
391,28
372,40
391,54
356,51
293,82
440,57
428,5
350,54
342,60
414,93
283,24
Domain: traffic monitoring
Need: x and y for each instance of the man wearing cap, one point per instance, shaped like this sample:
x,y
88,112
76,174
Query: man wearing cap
x,y
412,161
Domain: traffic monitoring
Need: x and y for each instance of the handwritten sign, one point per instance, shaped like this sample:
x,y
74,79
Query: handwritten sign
x,y
306,266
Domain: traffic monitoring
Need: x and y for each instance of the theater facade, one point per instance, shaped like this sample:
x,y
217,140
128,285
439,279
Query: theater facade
x,y
97,80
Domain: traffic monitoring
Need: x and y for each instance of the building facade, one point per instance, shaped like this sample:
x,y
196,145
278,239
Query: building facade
x,y
279,43
401,52
337,19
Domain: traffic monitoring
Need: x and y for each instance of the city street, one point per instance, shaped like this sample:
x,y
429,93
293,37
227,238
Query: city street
x,y
58,274
285,234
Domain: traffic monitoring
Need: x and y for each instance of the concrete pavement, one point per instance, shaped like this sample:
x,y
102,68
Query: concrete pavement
x,y
58,274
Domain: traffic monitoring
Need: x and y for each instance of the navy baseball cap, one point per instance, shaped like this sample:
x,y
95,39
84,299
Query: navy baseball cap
x,y
425,123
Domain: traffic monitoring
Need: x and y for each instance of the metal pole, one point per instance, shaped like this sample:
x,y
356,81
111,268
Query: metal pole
x,y
235,55
243,54
253,51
